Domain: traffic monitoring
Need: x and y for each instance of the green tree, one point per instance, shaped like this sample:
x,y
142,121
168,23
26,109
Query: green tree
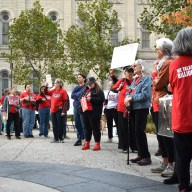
x,y
153,17
89,45
36,44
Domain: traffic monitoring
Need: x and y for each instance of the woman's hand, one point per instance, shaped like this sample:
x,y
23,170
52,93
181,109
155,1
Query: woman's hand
x,y
127,101
62,114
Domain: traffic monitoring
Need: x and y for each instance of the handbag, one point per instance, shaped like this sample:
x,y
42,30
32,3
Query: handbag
x,y
84,104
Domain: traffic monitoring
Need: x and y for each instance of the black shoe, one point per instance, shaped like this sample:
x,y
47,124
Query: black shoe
x,y
26,136
171,181
136,159
61,141
66,137
144,161
125,151
78,143
31,136
0,133
17,137
55,141
158,152
8,137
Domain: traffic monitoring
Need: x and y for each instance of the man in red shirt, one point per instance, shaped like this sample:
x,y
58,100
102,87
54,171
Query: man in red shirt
x,y
28,100
180,78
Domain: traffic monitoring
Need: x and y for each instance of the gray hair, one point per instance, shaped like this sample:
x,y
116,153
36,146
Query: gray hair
x,y
145,67
60,82
165,45
183,42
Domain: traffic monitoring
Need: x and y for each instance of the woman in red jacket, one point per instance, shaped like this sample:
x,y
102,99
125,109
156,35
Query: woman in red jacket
x,y
59,100
122,86
180,78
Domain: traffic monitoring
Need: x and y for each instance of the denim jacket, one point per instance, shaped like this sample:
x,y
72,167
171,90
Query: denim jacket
x,y
141,98
6,105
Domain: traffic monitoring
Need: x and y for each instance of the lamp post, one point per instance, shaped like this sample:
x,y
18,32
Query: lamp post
x,y
11,68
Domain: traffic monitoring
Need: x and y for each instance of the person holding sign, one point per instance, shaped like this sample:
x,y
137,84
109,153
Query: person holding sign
x,y
122,86
95,98
11,108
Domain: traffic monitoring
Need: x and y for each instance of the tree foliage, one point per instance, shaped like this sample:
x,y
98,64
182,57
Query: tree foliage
x,y
36,44
89,44
160,16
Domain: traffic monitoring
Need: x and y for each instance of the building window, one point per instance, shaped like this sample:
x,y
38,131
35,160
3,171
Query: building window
x,y
4,24
53,16
145,37
4,80
114,39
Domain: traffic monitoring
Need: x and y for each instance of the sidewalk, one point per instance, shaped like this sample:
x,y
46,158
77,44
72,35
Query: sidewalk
x,y
63,167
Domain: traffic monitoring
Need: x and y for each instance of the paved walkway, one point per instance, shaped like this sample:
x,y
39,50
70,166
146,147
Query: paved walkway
x,y
37,165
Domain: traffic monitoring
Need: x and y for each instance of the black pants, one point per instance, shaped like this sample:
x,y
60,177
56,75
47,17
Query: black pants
x,y
140,126
13,117
58,121
92,125
111,114
183,148
122,131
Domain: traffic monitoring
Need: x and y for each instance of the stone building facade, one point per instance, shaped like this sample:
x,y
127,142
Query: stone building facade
x,y
64,11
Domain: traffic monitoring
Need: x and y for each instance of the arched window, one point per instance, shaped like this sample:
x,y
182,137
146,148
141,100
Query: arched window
x,y
4,80
4,24
53,15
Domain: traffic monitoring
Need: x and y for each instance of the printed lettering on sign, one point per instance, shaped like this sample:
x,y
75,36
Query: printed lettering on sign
x,y
56,95
184,71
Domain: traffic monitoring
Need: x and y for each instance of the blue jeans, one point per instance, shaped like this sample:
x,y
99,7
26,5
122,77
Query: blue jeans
x,y
79,124
28,117
44,116
58,124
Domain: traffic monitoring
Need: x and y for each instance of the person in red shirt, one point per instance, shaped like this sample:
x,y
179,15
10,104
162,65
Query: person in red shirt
x,y
180,78
28,100
59,100
11,107
92,116
44,104
122,86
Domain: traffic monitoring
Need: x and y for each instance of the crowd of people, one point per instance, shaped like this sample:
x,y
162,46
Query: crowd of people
x,y
127,103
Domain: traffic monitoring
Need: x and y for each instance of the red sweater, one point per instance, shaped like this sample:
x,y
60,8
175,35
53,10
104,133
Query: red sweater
x,y
58,99
46,103
121,106
180,78
28,104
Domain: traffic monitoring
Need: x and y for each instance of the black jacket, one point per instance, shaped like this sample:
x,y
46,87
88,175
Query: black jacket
x,y
97,100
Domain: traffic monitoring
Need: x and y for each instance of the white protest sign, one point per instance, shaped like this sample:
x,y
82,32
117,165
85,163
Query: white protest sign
x,y
49,80
124,55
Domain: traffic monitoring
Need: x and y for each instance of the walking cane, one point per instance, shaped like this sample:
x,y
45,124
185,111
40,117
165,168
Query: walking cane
x,y
128,138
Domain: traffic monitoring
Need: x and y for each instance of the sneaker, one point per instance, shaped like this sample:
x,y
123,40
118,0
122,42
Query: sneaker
x,y
18,137
158,169
26,136
42,136
144,161
171,181
168,172
125,151
55,141
158,152
136,159
47,137
78,143
31,136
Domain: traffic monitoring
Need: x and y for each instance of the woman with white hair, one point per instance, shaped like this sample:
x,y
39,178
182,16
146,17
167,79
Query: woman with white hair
x,y
139,96
180,78
59,100
163,50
